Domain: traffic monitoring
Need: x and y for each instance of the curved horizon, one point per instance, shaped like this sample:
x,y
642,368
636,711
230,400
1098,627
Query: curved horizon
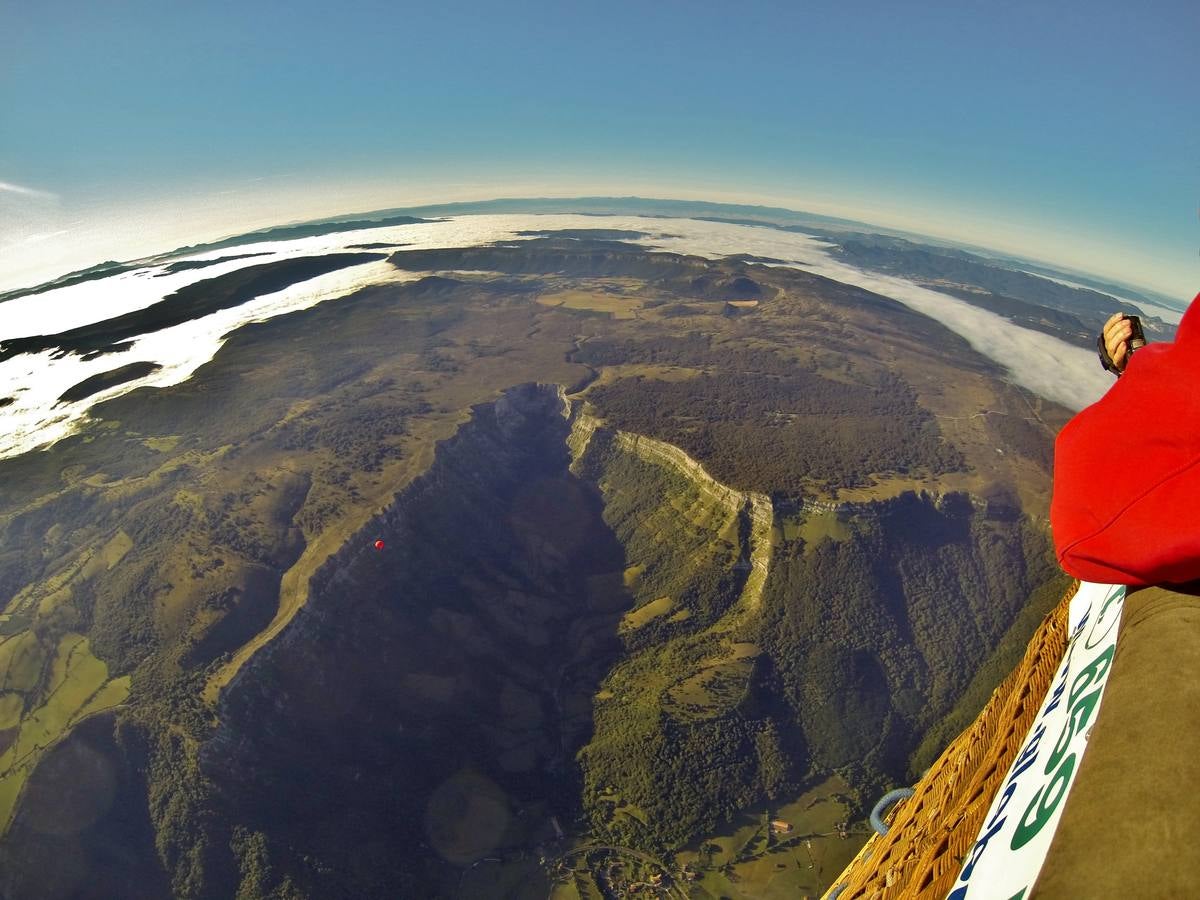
x,y
185,238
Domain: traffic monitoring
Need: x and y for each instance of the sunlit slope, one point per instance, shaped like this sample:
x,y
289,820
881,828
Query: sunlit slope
x,y
699,553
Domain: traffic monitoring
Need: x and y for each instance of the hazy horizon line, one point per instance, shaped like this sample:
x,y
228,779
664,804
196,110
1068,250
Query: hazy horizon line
x,y
463,207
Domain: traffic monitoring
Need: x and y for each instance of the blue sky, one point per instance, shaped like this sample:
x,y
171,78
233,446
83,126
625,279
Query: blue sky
x,y
1066,131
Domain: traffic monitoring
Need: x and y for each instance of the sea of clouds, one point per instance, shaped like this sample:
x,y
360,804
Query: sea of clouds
x,y
1044,364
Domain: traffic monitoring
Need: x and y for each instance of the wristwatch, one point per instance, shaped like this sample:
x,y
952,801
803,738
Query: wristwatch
x,y
1105,359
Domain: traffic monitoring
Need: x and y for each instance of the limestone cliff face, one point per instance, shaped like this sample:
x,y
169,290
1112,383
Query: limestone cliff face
x,y
688,697
585,427
756,508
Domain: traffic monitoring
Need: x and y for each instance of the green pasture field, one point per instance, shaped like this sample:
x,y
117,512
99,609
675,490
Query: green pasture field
x,y
617,306
747,862
635,619
819,526
21,661
716,688
78,686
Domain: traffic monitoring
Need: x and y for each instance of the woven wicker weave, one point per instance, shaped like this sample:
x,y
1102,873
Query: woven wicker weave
x,y
931,832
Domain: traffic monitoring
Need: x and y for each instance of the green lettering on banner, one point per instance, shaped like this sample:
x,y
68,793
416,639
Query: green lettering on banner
x,y
1117,592
1095,670
1080,713
980,845
1026,830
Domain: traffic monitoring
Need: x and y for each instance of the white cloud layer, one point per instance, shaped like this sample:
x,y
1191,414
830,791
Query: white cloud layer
x,y
1043,364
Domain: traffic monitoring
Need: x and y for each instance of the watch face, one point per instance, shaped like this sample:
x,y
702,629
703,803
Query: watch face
x,y
1138,338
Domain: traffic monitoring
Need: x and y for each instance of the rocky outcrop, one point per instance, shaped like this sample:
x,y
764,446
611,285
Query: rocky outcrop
x,y
755,508
942,501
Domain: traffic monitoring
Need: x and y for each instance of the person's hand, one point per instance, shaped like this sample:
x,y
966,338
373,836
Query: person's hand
x,y
1116,334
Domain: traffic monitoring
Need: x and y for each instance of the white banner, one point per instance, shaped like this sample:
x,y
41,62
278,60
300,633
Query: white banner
x,y
1005,860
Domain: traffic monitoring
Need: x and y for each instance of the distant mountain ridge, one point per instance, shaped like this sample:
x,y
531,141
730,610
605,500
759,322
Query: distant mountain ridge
x,y
769,216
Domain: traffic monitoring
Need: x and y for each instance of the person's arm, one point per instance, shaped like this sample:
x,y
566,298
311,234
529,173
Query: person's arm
x,y
1127,468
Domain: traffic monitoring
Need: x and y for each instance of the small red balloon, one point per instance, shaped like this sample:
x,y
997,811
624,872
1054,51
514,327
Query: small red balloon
x,y
379,545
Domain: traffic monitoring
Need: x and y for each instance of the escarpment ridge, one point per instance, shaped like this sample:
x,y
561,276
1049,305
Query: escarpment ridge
x,y
477,644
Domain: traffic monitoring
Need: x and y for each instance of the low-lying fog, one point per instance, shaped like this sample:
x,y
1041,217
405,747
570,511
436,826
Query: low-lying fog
x,y
1042,363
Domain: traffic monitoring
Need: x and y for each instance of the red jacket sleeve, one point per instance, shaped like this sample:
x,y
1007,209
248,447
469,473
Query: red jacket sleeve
x,y
1126,504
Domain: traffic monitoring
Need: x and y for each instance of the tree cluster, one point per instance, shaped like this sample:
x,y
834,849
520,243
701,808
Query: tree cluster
x,y
776,434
